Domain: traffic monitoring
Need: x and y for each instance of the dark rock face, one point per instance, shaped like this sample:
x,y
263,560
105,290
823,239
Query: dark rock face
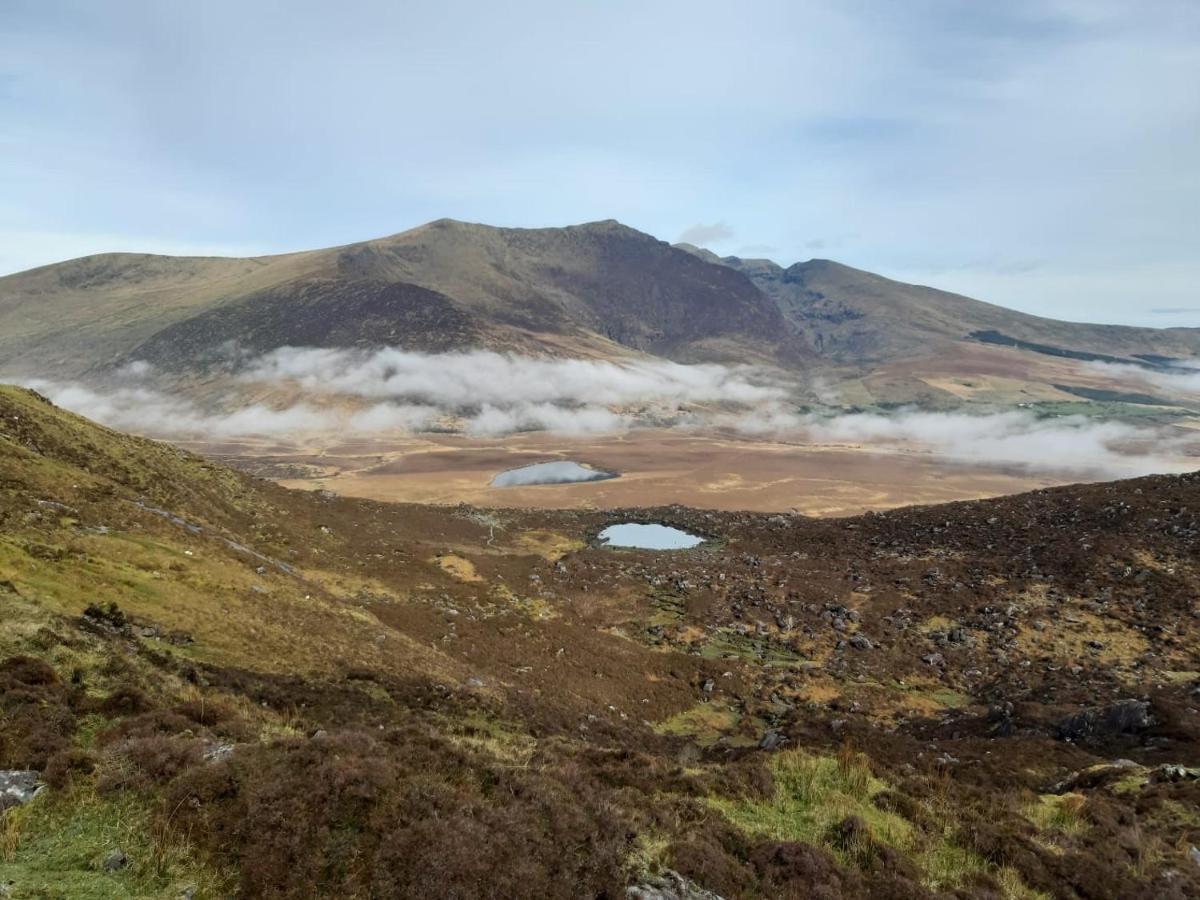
x,y
459,287
1124,717
317,312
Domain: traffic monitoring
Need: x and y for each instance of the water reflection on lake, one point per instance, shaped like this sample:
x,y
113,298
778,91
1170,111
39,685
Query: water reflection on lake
x,y
648,537
564,472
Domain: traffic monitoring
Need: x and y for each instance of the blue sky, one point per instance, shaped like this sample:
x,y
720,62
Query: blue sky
x,y
1042,155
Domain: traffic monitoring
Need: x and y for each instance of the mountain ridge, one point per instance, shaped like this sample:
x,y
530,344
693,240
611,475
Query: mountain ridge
x,y
596,290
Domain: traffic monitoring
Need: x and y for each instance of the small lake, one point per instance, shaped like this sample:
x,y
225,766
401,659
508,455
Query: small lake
x,y
564,472
648,537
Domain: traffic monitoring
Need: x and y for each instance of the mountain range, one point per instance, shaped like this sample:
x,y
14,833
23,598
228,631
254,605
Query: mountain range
x,y
598,290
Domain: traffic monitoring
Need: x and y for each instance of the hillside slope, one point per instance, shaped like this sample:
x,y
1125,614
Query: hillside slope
x,y
240,688
856,317
599,289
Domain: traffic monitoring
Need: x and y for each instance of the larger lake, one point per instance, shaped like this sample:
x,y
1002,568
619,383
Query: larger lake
x,y
564,472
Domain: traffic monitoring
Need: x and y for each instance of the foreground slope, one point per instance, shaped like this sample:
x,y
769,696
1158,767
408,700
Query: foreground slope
x,y
301,695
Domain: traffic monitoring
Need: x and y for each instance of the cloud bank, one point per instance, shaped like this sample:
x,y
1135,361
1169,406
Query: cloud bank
x,y
1178,380
482,378
482,394
1020,439
478,393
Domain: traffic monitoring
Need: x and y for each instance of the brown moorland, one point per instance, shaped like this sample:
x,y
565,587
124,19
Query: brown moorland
x,y
292,694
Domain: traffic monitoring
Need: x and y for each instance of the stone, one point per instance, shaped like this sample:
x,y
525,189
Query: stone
x,y
1176,772
217,752
17,786
1194,855
1123,717
861,642
668,886
770,740
115,861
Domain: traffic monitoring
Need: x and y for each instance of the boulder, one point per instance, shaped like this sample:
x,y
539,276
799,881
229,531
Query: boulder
x,y
17,786
668,885
1122,717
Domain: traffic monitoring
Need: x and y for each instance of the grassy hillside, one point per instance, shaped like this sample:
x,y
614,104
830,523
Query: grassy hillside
x,y
245,689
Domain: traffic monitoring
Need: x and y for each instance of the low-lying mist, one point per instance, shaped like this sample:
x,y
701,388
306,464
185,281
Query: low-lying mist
x,y
372,394
1180,379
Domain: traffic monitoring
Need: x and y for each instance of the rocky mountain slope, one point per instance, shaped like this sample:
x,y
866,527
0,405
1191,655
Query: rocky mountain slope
x,y
856,317
600,289
227,686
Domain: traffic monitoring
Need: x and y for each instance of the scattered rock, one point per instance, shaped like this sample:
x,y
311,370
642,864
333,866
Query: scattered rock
x,y
216,752
17,786
861,642
1123,717
668,886
115,861
1174,773
1194,855
770,740
187,892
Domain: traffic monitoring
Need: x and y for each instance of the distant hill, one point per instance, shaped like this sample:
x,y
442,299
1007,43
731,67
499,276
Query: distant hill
x,y
599,289
851,316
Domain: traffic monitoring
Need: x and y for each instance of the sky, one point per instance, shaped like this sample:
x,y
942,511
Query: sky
x,y
1041,155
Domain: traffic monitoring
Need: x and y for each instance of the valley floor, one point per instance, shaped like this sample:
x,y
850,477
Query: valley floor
x,y
657,467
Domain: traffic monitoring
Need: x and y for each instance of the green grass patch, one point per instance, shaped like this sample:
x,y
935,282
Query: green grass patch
x,y
815,793
706,722
54,847
756,649
1062,814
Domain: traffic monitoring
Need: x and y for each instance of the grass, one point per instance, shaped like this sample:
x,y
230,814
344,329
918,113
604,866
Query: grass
x,y
706,722
728,644
503,741
54,847
815,793
1061,814
648,856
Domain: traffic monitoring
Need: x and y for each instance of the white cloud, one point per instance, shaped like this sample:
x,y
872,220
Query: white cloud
x,y
703,235
482,378
1071,443
492,395
1181,379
